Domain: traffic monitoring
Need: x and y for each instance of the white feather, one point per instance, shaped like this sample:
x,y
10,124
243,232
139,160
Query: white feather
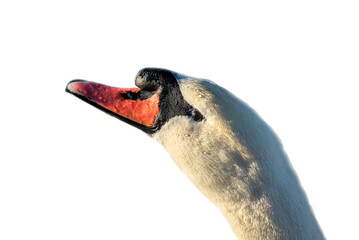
x,y
237,161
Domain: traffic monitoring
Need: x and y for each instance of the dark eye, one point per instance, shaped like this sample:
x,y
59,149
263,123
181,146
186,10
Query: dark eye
x,y
196,115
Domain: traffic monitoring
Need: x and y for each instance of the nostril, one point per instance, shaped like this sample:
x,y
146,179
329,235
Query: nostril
x,y
140,95
129,95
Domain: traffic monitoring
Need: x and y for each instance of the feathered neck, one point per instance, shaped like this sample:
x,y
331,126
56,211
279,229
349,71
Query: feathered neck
x,y
236,160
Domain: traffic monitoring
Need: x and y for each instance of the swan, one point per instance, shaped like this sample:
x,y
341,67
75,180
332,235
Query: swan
x,y
230,154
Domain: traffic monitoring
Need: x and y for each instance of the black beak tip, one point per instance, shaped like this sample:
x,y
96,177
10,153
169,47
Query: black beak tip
x,y
68,89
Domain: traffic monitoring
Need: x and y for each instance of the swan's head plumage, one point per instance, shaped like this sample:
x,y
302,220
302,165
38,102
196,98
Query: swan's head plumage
x,y
222,145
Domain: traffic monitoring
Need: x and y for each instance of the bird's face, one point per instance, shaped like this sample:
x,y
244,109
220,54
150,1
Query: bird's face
x,y
184,114
149,107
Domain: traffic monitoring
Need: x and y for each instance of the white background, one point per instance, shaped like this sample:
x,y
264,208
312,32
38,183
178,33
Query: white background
x,y
69,171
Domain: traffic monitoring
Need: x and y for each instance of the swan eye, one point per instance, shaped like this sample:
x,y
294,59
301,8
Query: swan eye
x,y
196,115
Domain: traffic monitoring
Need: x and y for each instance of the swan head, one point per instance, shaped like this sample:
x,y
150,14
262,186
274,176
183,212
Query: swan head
x,y
230,154
203,126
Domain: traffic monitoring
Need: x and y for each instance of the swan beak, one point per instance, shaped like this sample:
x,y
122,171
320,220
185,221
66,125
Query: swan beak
x,y
124,103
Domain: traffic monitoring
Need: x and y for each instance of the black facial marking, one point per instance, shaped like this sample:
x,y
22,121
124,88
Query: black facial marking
x,y
172,102
151,81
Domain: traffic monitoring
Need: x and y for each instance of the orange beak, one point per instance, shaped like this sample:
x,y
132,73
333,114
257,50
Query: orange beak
x,y
124,102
